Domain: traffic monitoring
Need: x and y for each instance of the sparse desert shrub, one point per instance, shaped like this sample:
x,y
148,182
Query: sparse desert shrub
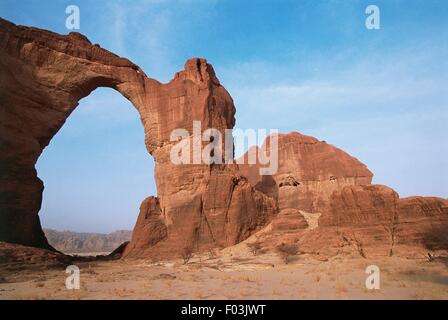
x,y
431,256
212,253
286,251
353,240
436,237
254,247
186,254
359,246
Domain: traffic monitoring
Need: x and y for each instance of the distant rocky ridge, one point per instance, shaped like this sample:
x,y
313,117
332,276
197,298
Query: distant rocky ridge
x,y
83,242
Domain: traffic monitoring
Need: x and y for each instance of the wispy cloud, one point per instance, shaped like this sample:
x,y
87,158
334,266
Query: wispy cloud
x,y
152,33
388,110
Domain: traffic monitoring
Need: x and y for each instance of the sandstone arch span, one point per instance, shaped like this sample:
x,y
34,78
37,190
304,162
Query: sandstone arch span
x,y
44,75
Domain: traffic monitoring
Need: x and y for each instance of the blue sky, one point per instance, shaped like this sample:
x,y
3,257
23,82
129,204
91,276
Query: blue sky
x,y
308,66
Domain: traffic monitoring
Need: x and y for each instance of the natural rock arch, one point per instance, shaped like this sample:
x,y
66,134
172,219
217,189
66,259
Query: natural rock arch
x,y
96,170
197,206
43,76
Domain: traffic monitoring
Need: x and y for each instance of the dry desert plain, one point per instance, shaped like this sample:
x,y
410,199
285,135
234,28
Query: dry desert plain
x,y
233,273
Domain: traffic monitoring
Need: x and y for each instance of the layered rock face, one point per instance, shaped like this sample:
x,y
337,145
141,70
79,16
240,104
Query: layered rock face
x,y
423,222
309,171
43,75
385,223
328,205
370,220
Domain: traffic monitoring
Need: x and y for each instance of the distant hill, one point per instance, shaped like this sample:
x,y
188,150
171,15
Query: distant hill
x,y
83,242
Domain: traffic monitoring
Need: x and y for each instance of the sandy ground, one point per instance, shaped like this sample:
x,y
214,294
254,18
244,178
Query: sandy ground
x,y
235,275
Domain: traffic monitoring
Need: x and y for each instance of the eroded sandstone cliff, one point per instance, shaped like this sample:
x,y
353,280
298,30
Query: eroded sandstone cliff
x,y
309,171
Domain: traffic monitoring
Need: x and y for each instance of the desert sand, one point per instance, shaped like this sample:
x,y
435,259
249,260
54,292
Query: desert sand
x,y
233,273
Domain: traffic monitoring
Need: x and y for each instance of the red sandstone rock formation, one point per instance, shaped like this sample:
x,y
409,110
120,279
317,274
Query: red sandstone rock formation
x,y
309,171
43,75
423,222
326,202
384,223
149,228
14,256
317,183
371,220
